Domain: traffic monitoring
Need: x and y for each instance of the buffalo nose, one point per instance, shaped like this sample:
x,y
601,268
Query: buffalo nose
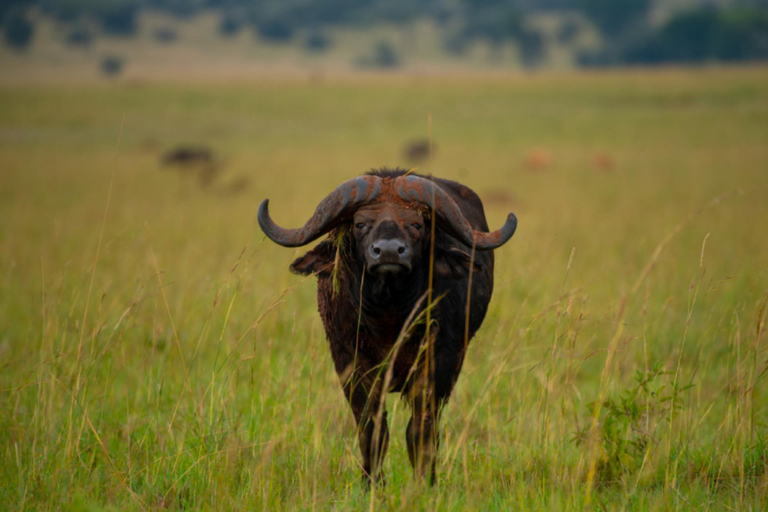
x,y
389,249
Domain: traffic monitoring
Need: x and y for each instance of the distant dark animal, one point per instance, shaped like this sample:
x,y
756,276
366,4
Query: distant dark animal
x,y
373,294
235,186
188,156
418,150
196,160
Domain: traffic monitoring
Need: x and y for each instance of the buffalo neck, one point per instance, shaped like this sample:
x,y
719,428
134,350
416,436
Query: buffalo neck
x,y
393,295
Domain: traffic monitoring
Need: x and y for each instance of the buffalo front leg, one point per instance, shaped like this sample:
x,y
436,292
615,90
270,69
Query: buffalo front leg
x,y
365,399
422,437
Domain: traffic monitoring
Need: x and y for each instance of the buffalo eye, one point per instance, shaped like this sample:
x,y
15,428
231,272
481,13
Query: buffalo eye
x,y
360,226
416,226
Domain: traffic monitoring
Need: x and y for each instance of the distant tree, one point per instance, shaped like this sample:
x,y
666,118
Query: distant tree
x,y
568,31
696,36
690,36
17,29
385,56
495,22
79,35
181,8
532,47
744,35
118,17
111,65
614,17
455,43
276,29
498,22
230,24
12,7
316,41
165,35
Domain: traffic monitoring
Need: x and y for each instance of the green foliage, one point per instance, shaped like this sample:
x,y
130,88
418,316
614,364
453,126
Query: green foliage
x,y
317,41
382,56
568,31
733,32
118,17
613,18
628,428
695,36
17,29
230,24
111,65
13,7
79,35
532,47
275,28
495,22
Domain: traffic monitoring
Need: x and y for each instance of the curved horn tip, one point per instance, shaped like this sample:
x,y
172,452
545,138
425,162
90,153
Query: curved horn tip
x,y
263,214
500,237
511,222
509,228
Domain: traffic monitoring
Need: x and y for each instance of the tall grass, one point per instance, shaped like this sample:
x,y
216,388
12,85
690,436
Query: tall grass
x,y
156,353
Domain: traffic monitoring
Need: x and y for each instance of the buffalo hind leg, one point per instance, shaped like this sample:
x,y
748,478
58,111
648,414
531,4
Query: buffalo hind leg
x,y
423,439
370,413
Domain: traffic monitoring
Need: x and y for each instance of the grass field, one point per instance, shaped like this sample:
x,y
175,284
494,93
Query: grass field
x,y
155,351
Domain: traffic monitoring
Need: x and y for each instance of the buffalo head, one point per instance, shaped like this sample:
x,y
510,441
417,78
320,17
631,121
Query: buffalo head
x,y
389,220
388,237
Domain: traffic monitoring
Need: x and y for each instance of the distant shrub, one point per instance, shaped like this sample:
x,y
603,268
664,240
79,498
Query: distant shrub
x,y
568,31
118,18
317,41
230,25
733,34
385,56
629,424
17,30
532,47
701,35
593,58
275,29
79,35
182,8
165,35
64,11
455,43
111,65
614,17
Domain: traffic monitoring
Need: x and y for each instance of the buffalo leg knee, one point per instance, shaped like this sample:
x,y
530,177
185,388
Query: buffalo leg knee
x,y
372,430
423,440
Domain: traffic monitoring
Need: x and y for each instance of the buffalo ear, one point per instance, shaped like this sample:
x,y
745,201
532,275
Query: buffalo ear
x,y
317,261
454,264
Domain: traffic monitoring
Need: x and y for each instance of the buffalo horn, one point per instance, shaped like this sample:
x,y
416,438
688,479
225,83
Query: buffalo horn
x,y
415,188
345,199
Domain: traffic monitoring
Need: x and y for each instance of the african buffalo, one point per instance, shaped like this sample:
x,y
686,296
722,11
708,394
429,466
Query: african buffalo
x,y
385,261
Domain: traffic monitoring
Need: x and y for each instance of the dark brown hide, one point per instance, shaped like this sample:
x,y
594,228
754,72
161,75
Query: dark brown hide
x,y
369,302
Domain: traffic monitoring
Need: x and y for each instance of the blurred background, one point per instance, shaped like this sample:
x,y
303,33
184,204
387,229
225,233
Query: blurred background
x,y
156,352
174,38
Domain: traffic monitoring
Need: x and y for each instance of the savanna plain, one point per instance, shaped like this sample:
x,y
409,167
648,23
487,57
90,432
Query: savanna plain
x,y
156,353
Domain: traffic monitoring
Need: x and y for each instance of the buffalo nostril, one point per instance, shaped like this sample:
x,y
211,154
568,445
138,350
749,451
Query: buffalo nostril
x,y
375,251
401,249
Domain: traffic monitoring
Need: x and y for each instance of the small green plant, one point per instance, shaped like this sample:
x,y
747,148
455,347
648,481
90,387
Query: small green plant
x,y
628,428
